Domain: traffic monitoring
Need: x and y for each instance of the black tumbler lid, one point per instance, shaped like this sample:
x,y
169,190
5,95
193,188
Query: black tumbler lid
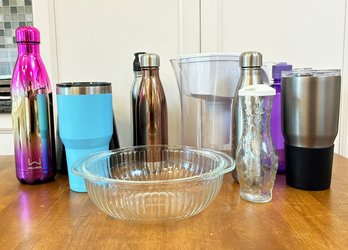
x,y
136,62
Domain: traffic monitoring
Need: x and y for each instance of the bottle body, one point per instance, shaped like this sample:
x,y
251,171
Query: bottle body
x,y
62,165
256,159
134,93
32,116
276,115
276,128
249,76
151,110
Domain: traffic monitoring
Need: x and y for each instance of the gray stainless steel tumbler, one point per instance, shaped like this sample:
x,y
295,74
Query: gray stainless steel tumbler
x,y
310,113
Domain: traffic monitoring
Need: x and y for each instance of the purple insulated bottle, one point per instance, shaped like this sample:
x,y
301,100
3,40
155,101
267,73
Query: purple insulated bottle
x,y
32,112
276,121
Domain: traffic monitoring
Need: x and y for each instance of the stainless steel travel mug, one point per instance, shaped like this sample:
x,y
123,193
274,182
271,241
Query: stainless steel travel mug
x,y
310,113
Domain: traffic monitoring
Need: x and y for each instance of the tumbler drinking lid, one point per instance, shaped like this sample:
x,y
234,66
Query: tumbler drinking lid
x,y
257,90
308,72
83,88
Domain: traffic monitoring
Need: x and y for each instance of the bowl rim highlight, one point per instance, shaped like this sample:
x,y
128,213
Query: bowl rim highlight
x,y
226,164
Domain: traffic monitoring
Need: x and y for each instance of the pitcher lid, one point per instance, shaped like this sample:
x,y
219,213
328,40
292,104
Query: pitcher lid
x,y
207,57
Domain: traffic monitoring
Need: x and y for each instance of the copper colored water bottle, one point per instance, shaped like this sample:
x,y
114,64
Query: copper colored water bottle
x,y
32,112
151,106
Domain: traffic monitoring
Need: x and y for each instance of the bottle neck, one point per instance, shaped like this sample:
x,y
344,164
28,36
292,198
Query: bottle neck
x,y
28,48
150,72
250,76
251,72
137,74
277,81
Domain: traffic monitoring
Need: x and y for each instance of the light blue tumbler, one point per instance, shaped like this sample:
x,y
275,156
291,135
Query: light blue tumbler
x,y
85,119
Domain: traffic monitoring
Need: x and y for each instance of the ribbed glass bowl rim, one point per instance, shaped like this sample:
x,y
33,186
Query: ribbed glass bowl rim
x,y
226,164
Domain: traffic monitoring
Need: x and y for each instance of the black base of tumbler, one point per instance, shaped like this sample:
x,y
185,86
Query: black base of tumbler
x,y
308,168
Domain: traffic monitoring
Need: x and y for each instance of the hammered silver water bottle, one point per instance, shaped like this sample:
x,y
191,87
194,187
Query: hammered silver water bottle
x,y
151,106
250,63
256,158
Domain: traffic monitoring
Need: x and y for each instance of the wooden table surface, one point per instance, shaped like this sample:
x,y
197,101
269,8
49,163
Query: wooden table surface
x,y
50,216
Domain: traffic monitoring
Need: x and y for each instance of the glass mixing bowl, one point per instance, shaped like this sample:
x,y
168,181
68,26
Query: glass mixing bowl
x,y
154,183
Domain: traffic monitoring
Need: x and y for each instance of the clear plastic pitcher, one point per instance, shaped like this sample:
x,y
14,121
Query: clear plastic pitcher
x,y
207,83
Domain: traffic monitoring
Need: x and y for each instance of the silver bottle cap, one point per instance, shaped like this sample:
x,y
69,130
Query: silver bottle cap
x,y
250,59
149,60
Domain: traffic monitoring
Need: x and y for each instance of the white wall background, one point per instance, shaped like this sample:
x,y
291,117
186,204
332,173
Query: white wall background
x,y
95,40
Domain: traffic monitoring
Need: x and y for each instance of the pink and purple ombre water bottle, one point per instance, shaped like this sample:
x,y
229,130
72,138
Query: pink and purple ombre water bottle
x,y
32,112
276,118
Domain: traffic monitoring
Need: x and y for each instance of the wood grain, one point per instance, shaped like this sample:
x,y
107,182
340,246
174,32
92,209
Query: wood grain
x,y
50,216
